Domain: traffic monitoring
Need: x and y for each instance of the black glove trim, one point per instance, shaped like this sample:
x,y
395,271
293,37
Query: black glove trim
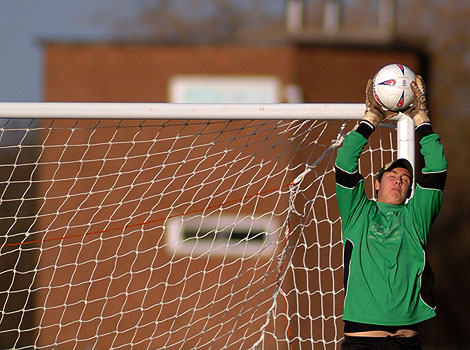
x,y
424,129
365,128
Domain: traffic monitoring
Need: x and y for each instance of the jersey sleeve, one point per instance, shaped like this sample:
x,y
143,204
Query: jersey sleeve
x,y
350,193
427,198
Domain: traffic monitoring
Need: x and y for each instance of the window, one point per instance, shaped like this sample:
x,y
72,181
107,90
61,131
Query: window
x,y
222,235
224,89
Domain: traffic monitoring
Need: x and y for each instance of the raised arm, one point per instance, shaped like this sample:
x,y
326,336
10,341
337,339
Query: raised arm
x,y
349,182
427,200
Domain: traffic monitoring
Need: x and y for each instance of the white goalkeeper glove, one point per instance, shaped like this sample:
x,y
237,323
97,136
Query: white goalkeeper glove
x,y
374,113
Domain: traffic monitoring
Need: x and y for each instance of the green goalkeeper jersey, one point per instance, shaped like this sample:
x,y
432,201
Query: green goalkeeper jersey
x,y
387,278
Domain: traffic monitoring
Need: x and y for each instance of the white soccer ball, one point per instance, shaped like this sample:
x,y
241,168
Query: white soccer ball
x,y
392,87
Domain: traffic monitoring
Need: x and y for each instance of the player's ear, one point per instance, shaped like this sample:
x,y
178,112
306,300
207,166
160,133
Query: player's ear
x,y
377,185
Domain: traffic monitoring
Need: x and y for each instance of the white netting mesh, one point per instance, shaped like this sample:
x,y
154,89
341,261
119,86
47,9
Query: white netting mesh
x,y
175,234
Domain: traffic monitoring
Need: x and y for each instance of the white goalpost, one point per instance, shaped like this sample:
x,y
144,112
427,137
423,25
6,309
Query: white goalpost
x,y
176,226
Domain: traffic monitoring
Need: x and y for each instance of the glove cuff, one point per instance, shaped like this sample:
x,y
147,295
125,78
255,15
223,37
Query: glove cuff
x,y
420,118
372,118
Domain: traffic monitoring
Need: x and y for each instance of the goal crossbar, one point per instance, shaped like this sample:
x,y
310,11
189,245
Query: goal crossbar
x,y
113,110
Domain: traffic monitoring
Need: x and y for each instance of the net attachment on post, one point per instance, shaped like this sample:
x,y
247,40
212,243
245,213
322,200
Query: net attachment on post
x,y
173,233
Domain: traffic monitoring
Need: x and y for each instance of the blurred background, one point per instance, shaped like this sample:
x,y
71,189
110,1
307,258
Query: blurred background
x,y
438,30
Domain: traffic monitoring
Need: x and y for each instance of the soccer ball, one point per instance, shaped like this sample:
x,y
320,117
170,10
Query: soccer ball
x,y
392,87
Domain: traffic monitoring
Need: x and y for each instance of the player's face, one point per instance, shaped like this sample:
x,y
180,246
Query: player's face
x,y
393,186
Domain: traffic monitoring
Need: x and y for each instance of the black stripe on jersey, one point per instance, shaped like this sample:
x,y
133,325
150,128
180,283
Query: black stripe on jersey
x,y
433,181
348,248
348,180
427,284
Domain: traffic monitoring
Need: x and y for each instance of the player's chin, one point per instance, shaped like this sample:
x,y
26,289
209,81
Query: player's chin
x,y
398,193
397,198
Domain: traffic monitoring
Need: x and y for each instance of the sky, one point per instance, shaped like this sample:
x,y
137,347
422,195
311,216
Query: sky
x,y
24,23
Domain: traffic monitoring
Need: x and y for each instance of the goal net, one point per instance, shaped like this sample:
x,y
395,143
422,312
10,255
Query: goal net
x,y
176,233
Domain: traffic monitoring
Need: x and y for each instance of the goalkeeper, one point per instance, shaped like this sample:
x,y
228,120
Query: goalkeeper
x,y
387,279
